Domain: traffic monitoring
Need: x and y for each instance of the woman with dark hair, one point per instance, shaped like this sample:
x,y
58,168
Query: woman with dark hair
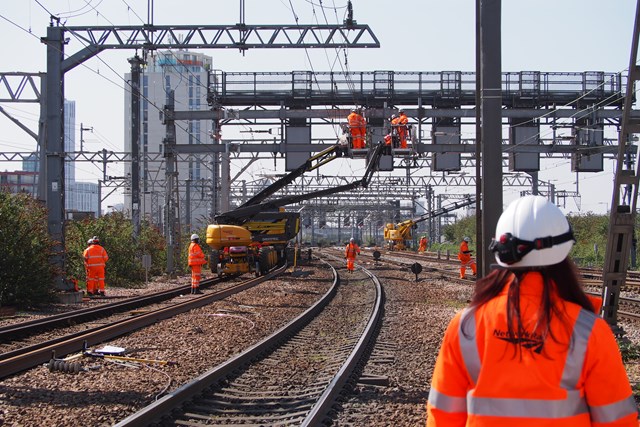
x,y
530,350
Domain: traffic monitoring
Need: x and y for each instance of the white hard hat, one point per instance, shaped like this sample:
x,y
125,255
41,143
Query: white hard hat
x,y
466,239
532,232
194,237
352,239
90,241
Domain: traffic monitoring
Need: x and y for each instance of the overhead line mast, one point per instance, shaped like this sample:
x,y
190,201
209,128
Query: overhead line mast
x,y
148,37
622,217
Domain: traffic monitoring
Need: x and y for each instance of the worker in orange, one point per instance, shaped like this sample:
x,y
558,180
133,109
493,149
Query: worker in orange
x,y
387,144
422,247
401,126
350,254
529,350
363,129
196,261
357,126
95,260
465,258
394,130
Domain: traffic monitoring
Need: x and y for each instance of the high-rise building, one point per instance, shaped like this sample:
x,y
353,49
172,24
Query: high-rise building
x,y
69,146
79,196
185,73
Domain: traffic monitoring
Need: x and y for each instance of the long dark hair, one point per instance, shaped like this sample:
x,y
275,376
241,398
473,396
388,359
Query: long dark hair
x,y
567,285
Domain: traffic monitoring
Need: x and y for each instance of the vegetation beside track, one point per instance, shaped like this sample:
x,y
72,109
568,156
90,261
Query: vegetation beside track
x,y
26,273
25,247
590,230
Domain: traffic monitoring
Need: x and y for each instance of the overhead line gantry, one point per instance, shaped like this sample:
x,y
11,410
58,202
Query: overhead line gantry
x,y
152,37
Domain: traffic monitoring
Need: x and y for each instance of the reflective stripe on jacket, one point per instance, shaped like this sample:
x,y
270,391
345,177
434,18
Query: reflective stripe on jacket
x,y
196,256
95,256
355,120
482,378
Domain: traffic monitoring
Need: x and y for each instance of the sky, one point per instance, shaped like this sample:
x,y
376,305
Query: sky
x,y
415,35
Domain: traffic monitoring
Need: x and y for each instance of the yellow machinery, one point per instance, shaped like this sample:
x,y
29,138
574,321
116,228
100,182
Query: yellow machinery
x,y
254,237
396,236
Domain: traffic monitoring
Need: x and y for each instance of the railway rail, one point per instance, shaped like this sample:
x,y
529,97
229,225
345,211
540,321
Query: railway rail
x,y
293,376
436,265
21,330
28,356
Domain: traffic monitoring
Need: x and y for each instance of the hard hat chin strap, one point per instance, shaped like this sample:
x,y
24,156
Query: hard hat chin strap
x,y
510,249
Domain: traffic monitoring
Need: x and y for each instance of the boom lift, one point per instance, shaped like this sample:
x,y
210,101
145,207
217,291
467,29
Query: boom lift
x,y
396,235
253,237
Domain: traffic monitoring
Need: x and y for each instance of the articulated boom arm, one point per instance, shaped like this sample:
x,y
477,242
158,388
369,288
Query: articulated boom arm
x,y
404,228
444,210
245,212
312,163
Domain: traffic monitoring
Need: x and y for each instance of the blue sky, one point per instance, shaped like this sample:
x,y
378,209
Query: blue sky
x,y
415,35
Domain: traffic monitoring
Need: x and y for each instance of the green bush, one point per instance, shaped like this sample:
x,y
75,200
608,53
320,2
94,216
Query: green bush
x,y
115,232
26,273
590,230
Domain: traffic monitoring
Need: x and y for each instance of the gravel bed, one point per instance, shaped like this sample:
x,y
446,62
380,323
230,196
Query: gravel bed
x,y
156,285
416,315
108,391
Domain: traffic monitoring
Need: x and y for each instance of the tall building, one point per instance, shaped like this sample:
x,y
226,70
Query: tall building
x,y
185,73
69,146
79,196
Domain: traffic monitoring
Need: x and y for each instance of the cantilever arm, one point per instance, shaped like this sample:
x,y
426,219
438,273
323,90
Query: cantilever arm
x,y
243,213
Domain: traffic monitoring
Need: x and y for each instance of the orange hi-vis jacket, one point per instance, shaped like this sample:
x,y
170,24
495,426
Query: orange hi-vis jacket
x,y
95,256
196,256
351,250
464,255
481,377
394,124
356,120
402,121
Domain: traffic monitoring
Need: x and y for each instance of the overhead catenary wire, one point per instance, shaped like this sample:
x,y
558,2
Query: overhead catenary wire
x,y
312,3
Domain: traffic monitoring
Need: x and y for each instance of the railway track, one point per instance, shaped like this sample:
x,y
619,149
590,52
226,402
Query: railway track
x,y
292,377
13,332
22,355
441,267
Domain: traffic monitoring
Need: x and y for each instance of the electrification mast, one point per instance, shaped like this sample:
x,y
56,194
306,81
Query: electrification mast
x,y
622,216
152,37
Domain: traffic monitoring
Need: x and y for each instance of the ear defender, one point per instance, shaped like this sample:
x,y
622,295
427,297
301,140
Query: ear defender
x,y
510,249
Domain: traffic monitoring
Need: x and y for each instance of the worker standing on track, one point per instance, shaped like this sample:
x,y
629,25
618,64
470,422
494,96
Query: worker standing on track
x,y
530,350
95,260
357,126
465,258
422,247
196,261
350,254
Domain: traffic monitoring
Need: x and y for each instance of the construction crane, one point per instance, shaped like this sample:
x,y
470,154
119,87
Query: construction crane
x,y
254,237
397,235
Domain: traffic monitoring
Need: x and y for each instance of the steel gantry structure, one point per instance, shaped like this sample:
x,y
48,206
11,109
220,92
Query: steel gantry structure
x,y
96,39
438,103
622,216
